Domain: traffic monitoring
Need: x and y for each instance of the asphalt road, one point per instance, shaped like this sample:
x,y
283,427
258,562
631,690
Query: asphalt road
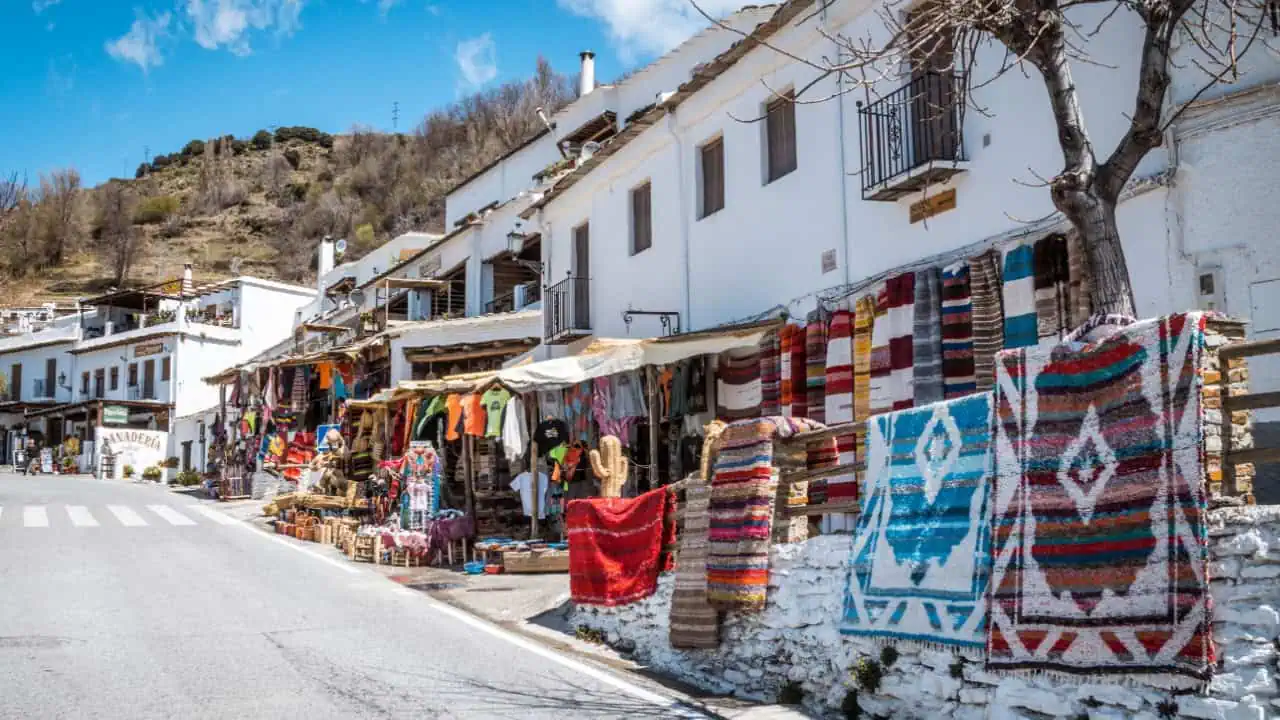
x,y
129,601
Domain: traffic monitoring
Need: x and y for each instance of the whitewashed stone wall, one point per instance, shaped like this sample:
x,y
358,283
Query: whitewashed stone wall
x,y
795,642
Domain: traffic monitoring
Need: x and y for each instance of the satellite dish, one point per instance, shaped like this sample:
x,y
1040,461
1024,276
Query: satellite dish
x,y
235,264
340,246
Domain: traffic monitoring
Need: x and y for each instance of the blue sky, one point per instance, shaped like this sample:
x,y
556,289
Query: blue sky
x,y
92,83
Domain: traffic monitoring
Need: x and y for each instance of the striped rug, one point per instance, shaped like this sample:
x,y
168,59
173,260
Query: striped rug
x,y
988,316
1079,283
785,391
1052,282
1019,295
891,352
1098,529
738,384
879,396
863,318
799,373
957,333
694,623
839,406
815,351
926,338
771,374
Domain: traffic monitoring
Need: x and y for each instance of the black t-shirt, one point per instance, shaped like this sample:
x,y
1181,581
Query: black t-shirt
x,y
550,434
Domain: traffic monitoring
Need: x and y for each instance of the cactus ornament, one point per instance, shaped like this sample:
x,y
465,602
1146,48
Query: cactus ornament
x,y
610,466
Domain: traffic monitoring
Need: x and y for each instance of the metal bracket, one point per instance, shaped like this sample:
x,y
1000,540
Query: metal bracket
x,y
666,318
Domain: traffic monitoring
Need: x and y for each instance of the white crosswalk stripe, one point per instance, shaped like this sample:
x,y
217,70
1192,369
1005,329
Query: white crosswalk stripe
x,y
35,516
126,516
80,516
218,517
173,516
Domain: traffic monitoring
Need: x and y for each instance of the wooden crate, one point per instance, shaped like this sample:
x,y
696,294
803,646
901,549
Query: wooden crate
x,y
528,561
406,559
364,549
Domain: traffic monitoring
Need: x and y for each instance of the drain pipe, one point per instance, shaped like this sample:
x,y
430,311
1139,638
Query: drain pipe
x,y
684,219
844,171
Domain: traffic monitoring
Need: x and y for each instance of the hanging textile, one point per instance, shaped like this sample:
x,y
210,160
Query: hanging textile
x,y
617,546
453,425
926,338
298,395
515,435
799,372
770,373
473,415
550,404
891,352
601,407
494,401
839,402
1052,280
577,407
785,395
1100,539
988,316
1079,305
863,318
957,333
815,351
694,623
738,391
1019,293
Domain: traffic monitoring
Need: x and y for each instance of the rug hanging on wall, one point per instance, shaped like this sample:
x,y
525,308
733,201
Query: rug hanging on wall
x,y
1018,293
785,388
957,333
694,623
617,546
1053,282
744,488
921,551
815,352
771,374
988,316
839,392
864,317
926,338
799,373
1099,542
738,388
891,353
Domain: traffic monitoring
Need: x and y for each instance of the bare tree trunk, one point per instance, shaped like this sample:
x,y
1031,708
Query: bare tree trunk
x,y
1111,291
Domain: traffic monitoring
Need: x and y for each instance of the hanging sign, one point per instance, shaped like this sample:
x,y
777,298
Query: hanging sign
x,y
115,415
173,287
151,348
933,205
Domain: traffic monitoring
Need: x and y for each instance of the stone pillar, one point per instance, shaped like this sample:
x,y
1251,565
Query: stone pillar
x,y
1219,333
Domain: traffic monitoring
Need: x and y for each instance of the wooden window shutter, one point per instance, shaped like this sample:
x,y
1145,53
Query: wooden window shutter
x,y
641,218
781,134
165,368
712,177
115,378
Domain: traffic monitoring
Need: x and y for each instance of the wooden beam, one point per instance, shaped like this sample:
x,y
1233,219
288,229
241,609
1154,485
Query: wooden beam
x,y
848,506
321,327
419,356
1249,349
1252,401
1254,455
416,283
813,436
818,473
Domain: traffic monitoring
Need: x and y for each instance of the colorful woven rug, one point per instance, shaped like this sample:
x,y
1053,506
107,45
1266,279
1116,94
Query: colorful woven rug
x,y
921,551
743,493
891,345
787,385
957,333
1019,296
988,316
1099,542
839,391
864,317
926,338
815,352
617,546
771,374
738,390
694,623
1052,281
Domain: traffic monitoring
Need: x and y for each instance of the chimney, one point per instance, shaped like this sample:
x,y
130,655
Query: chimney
x,y
587,78
187,282
325,262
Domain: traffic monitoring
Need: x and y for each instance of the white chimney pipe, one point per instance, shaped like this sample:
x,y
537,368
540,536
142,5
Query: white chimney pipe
x,y
324,263
187,281
587,78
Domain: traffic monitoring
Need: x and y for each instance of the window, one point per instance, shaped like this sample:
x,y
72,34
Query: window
x,y
712,189
641,218
15,381
99,383
115,378
164,369
133,374
50,377
780,132
84,383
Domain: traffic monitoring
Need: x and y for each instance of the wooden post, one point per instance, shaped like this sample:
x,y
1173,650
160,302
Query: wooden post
x,y
468,480
651,382
532,419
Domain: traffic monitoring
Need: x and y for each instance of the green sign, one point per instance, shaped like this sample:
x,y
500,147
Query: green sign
x,y
115,415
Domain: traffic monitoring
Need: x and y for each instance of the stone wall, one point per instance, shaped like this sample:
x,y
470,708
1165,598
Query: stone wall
x,y
794,646
1219,333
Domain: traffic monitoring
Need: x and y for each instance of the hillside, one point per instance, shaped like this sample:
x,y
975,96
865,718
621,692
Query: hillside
x,y
255,205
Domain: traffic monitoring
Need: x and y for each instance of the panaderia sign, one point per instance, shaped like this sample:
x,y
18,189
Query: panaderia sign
x,y
139,449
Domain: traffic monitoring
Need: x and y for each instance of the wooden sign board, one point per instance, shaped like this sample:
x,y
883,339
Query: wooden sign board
x,y
933,205
145,349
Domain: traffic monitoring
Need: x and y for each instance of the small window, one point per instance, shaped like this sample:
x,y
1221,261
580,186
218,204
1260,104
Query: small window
x,y
712,189
133,374
84,383
780,129
164,369
115,378
641,218
99,382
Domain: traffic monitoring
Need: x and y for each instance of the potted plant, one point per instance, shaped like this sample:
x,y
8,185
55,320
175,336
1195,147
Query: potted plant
x,y
152,474
128,472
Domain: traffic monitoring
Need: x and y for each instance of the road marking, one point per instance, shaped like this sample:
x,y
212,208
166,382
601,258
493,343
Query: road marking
x,y
126,516
35,516
294,545
80,516
173,516
219,517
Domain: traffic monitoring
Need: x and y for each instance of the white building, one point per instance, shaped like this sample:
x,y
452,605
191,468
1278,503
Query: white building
x,y
136,358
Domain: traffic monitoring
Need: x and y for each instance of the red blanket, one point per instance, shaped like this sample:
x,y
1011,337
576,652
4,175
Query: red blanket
x,y
617,546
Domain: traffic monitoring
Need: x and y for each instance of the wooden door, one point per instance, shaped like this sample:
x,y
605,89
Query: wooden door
x,y
934,130
581,275
149,380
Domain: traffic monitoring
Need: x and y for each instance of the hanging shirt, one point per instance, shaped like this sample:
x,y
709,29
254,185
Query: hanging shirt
x,y
325,371
494,401
551,404
523,484
550,434
453,404
472,415
514,436
628,397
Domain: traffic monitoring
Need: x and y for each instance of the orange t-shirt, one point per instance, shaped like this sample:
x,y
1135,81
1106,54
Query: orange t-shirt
x,y
325,371
474,415
454,405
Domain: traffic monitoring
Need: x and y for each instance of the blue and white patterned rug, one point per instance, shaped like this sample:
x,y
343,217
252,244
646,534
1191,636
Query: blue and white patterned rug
x,y
921,551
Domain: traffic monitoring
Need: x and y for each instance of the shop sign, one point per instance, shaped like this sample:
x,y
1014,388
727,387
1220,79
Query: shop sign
x,y
151,348
115,415
933,205
406,253
173,287
139,449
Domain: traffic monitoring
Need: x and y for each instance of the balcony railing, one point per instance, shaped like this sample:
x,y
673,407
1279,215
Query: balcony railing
x,y
42,388
912,137
566,310
507,302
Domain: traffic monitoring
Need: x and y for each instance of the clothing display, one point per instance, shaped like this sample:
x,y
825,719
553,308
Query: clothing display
x,y
1018,292
515,436
453,427
550,403
473,415
523,484
1109,475
494,401
921,547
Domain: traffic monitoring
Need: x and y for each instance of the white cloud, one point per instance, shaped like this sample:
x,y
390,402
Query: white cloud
x,y
229,23
40,6
433,9
384,6
477,60
140,45
647,28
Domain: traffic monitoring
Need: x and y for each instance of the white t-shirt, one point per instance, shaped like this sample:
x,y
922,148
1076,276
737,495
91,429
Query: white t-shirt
x,y
523,484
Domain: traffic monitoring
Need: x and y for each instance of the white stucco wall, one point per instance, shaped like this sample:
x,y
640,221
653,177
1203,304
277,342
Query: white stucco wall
x,y
33,361
501,182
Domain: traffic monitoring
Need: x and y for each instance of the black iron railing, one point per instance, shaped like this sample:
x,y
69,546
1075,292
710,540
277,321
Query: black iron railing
x,y
507,301
919,123
566,309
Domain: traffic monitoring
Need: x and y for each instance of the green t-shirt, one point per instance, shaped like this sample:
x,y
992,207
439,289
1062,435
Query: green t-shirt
x,y
494,401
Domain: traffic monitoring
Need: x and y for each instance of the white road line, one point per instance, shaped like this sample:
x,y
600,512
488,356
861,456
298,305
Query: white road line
x,y
80,516
173,516
35,516
294,545
219,517
126,516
